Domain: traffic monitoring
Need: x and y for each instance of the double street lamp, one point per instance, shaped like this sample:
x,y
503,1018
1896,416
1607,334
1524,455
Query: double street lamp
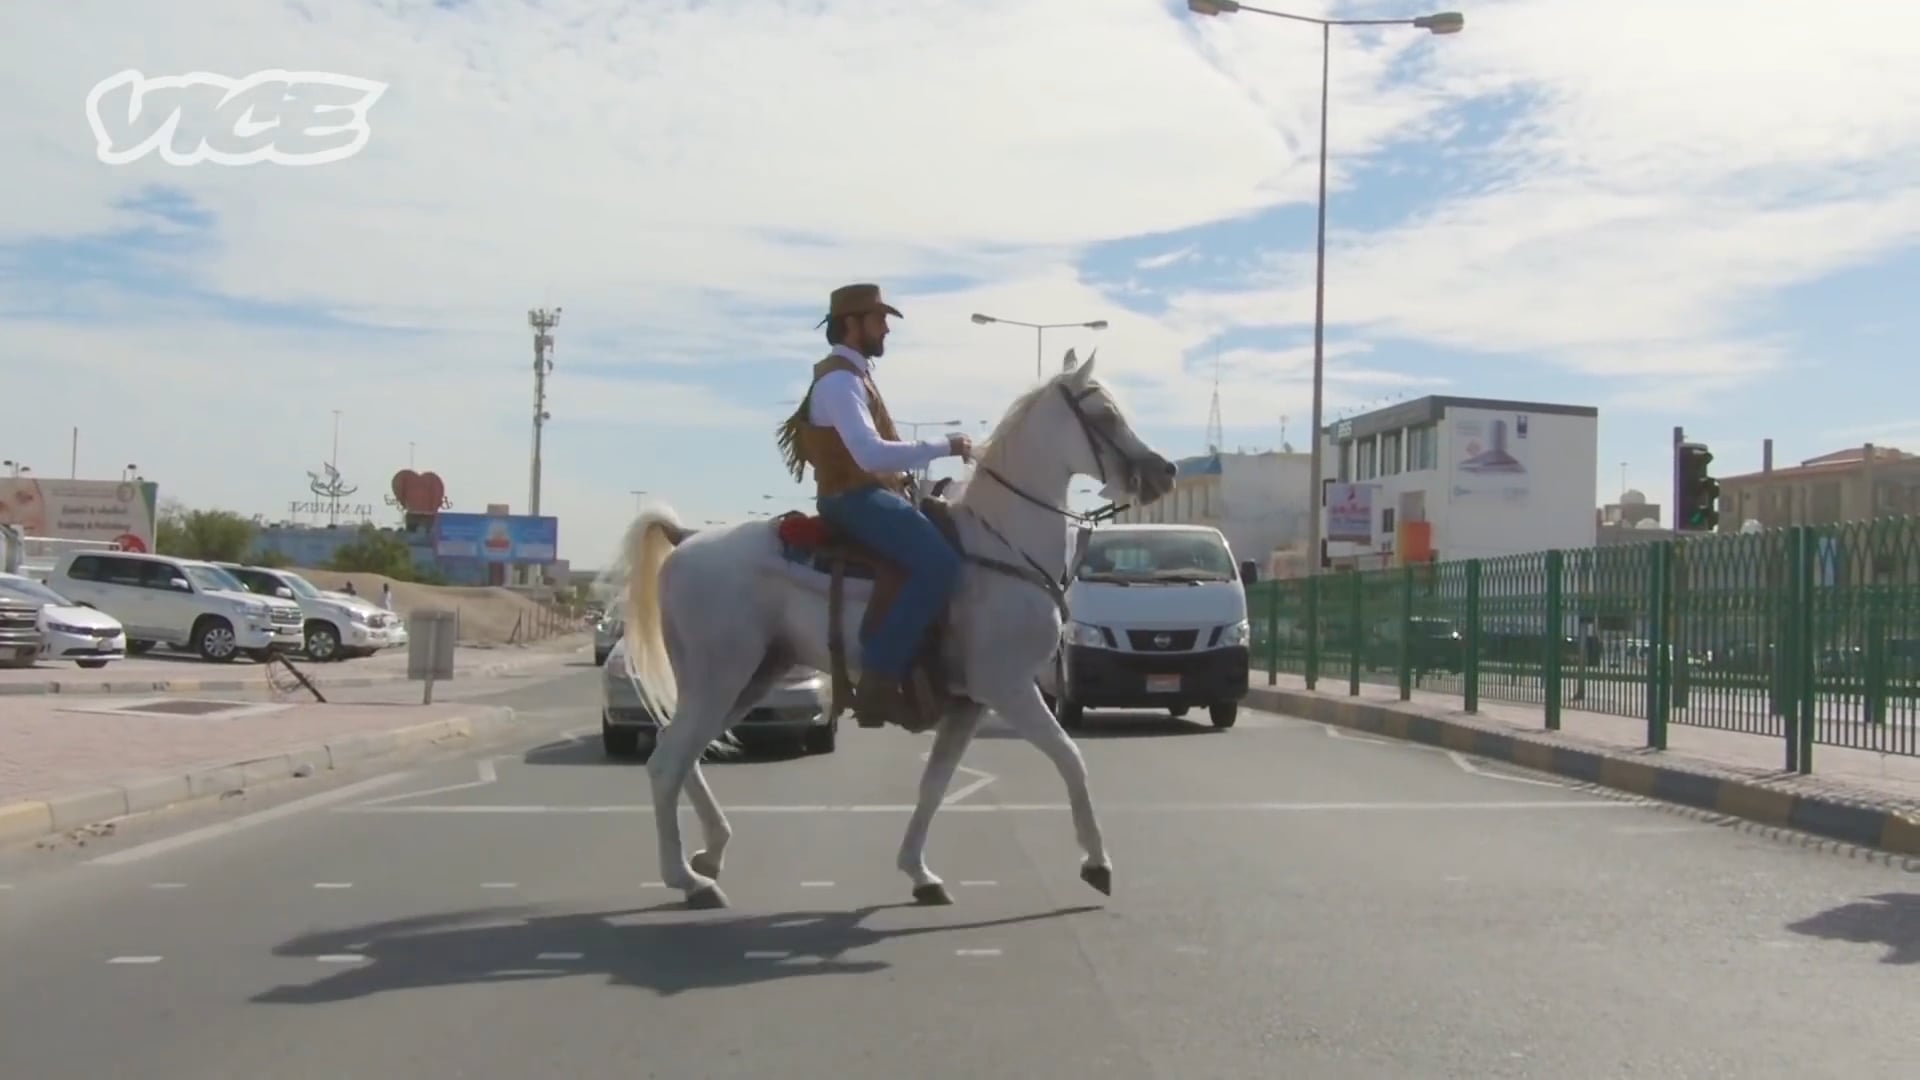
x,y
1039,333
1446,22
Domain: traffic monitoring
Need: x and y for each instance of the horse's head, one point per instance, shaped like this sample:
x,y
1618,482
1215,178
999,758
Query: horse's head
x,y
1078,421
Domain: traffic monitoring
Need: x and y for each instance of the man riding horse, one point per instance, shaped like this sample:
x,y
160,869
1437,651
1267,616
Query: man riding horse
x,y
861,470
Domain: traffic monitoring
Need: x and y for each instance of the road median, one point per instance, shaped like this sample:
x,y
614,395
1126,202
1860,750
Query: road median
x,y
1851,814
322,738
470,663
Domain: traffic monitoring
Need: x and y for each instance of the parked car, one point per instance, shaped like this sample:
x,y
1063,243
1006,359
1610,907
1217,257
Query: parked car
x,y
792,710
181,603
336,626
68,631
20,636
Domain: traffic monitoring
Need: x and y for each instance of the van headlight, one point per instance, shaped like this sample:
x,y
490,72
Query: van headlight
x,y
1237,634
1079,633
252,610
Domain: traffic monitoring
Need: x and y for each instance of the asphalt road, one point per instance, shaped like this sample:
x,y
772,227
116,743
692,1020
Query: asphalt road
x,y
1287,904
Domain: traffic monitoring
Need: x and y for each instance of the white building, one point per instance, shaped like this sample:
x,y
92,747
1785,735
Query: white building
x,y
1257,501
1487,477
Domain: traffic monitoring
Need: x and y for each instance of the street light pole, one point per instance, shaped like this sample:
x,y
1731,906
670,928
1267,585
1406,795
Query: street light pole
x,y
1039,334
1446,22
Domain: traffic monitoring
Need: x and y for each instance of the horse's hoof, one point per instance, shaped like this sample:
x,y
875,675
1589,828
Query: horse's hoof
x,y
705,865
933,895
1100,877
707,899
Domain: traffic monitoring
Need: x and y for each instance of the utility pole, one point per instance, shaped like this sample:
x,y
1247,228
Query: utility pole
x,y
543,322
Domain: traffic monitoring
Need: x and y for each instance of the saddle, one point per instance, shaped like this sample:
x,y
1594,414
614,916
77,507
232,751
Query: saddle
x,y
810,540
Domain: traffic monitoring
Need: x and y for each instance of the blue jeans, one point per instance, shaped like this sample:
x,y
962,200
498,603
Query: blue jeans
x,y
890,526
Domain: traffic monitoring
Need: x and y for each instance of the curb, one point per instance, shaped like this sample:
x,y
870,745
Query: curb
x,y
208,686
78,808
1854,822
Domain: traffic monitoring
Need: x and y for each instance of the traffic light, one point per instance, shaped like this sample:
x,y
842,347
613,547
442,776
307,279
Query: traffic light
x,y
1698,492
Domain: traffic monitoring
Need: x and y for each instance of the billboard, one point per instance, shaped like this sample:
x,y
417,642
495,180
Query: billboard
x,y
498,538
100,510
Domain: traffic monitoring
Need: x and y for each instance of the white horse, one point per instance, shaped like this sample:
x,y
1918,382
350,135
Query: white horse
x,y
714,616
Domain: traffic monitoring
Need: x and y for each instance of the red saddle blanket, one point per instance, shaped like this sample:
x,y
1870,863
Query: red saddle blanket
x,y
807,531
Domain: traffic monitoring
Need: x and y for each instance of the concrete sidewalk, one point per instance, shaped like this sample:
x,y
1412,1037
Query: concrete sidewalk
x,y
144,675
1855,796
68,764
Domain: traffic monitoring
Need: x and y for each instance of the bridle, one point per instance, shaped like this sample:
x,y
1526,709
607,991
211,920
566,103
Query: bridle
x,y
1096,438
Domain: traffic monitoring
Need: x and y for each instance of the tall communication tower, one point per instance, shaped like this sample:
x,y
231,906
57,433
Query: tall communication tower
x,y
1216,430
543,322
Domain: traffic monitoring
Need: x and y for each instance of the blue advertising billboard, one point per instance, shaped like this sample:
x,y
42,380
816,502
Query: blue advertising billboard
x,y
504,538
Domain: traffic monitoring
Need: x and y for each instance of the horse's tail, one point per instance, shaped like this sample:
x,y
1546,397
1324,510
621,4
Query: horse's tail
x,y
650,539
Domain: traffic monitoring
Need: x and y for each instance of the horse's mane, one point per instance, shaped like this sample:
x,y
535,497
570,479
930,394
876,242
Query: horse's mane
x,y
994,454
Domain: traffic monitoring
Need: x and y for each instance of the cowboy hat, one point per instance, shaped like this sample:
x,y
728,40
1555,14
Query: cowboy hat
x,y
856,300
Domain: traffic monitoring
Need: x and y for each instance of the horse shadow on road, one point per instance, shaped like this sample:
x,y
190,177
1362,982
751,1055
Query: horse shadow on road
x,y
1889,919
673,956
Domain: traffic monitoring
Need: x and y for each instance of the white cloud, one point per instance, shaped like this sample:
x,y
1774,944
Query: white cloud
x,y
680,176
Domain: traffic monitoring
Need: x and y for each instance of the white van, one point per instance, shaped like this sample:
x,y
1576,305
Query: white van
x,y
1156,618
182,603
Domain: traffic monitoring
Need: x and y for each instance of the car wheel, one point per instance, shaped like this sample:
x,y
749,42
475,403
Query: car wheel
x,y
1176,711
822,739
600,658
91,663
619,742
213,639
323,643
1224,714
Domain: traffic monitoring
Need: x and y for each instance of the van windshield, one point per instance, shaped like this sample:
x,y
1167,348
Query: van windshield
x,y
1172,555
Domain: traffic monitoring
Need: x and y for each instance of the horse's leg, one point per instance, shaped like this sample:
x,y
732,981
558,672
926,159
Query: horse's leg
x,y
1026,712
713,824
950,742
700,718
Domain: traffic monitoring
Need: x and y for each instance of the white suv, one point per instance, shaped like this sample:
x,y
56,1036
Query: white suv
x,y
337,627
182,603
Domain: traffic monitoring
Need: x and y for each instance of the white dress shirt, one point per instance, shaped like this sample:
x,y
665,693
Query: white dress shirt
x,y
840,402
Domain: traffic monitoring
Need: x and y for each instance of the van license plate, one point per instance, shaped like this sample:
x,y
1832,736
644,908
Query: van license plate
x,y
1163,684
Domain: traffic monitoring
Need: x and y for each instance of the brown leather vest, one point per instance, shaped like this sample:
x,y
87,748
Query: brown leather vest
x,y
803,443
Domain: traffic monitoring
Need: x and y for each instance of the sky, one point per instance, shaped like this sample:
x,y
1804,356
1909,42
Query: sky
x,y
1703,213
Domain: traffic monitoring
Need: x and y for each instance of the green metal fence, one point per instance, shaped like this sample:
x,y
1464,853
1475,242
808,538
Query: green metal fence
x,y
1809,635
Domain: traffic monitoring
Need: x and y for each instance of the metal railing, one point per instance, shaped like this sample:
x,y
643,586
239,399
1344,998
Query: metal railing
x,y
1809,634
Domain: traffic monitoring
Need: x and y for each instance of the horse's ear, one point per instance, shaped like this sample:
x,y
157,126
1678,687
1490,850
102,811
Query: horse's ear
x,y
1069,362
1084,372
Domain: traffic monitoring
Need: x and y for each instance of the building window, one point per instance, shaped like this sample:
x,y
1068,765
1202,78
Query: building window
x,y
1368,464
1390,454
1423,448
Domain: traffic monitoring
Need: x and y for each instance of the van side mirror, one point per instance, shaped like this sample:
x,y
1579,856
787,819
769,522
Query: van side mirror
x,y
283,593
179,584
1249,573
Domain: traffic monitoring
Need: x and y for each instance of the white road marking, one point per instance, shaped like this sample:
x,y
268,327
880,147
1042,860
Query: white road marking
x,y
979,883
486,772
1190,950
653,884
816,884
1000,808
766,954
6,886
559,956
341,958
134,960
499,884
228,828
333,884
168,885
976,952
1467,764
982,780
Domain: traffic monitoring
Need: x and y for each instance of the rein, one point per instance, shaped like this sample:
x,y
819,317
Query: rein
x,y
1054,589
